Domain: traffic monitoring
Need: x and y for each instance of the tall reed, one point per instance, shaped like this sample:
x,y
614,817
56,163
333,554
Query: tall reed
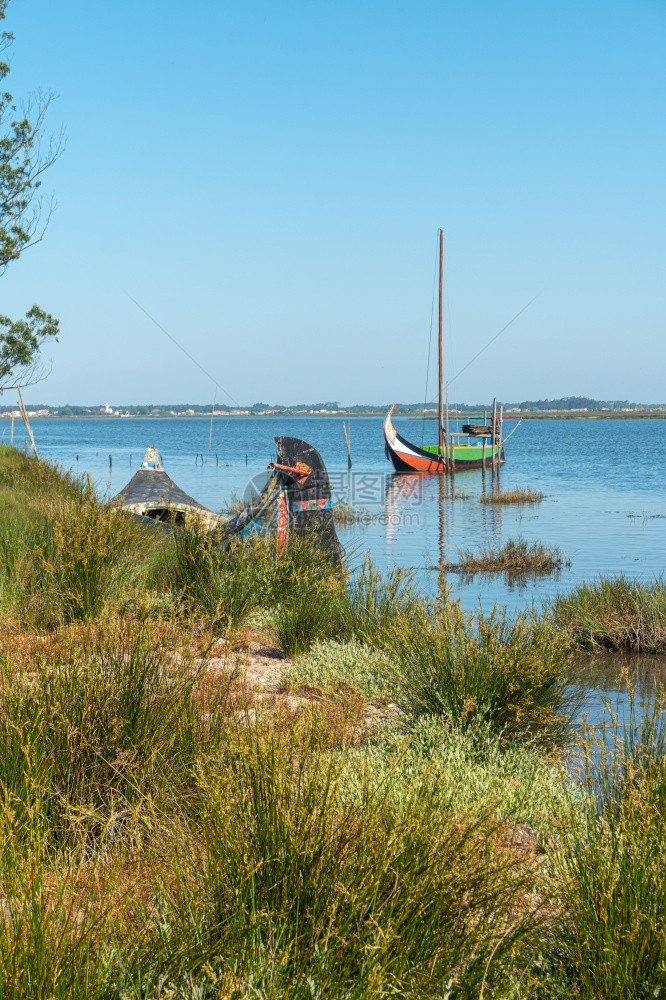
x,y
610,870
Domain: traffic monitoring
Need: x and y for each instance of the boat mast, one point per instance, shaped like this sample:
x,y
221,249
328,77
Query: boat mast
x,y
440,408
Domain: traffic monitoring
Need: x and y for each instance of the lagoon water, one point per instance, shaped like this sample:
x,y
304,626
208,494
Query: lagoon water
x,y
604,483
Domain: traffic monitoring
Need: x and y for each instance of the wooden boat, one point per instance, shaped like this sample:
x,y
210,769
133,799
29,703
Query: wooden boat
x,y
479,446
298,486
153,494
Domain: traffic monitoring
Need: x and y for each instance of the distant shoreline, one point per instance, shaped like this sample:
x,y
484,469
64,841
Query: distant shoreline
x,y
532,415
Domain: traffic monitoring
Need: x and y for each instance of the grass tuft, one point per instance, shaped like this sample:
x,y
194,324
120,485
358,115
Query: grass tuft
x,y
486,671
615,614
515,495
610,870
514,557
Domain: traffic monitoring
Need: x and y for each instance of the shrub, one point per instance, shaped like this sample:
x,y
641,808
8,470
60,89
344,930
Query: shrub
x,y
511,675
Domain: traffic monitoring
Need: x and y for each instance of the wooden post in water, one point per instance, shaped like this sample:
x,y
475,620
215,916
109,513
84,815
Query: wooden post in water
x,y
501,435
493,435
11,439
448,436
348,445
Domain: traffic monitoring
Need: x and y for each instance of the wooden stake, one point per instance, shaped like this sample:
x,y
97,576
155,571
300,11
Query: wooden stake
x,y
493,435
24,414
448,439
501,435
347,434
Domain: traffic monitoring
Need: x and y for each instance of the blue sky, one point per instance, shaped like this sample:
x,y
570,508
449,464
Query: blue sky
x,y
267,179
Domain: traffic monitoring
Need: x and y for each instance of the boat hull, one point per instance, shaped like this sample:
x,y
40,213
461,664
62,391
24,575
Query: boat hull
x,y
408,457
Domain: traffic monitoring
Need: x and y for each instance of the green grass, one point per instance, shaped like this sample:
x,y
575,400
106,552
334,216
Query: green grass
x,y
478,671
348,514
516,556
609,871
615,614
331,666
514,496
166,832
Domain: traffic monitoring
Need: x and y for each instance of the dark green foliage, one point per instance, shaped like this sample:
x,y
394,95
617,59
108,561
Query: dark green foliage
x,y
21,339
23,159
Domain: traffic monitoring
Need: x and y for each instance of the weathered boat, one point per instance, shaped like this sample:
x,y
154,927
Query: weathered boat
x,y
152,493
479,446
297,491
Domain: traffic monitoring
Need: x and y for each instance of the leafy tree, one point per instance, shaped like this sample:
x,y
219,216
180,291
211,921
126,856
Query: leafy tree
x,y
24,156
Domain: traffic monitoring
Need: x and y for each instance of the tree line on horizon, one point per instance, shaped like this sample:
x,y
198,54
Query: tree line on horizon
x,y
564,403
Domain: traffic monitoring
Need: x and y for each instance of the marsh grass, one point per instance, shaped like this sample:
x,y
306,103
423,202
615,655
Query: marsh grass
x,y
304,891
514,496
477,671
167,832
69,565
99,720
610,870
615,614
516,556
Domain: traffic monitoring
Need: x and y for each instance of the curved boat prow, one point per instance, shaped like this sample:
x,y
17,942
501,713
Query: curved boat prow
x,y
389,429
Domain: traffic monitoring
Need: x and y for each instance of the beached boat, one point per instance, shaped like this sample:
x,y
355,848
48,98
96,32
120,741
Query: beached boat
x,y
478,446
152,493
297,491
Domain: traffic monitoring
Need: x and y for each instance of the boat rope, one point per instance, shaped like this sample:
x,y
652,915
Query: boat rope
x,y
261,503
513,431
192,359
493,339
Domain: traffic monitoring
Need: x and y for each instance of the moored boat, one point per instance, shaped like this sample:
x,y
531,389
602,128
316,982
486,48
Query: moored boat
x,y
479,446
467,450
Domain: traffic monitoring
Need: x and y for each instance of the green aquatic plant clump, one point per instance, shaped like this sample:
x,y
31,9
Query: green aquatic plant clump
x,y
516,556
514,496
615,614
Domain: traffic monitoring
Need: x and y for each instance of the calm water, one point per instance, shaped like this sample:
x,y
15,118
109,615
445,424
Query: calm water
x,y
604,483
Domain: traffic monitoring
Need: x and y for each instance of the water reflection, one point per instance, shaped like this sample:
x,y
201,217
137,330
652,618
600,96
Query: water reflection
x,y
608,681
